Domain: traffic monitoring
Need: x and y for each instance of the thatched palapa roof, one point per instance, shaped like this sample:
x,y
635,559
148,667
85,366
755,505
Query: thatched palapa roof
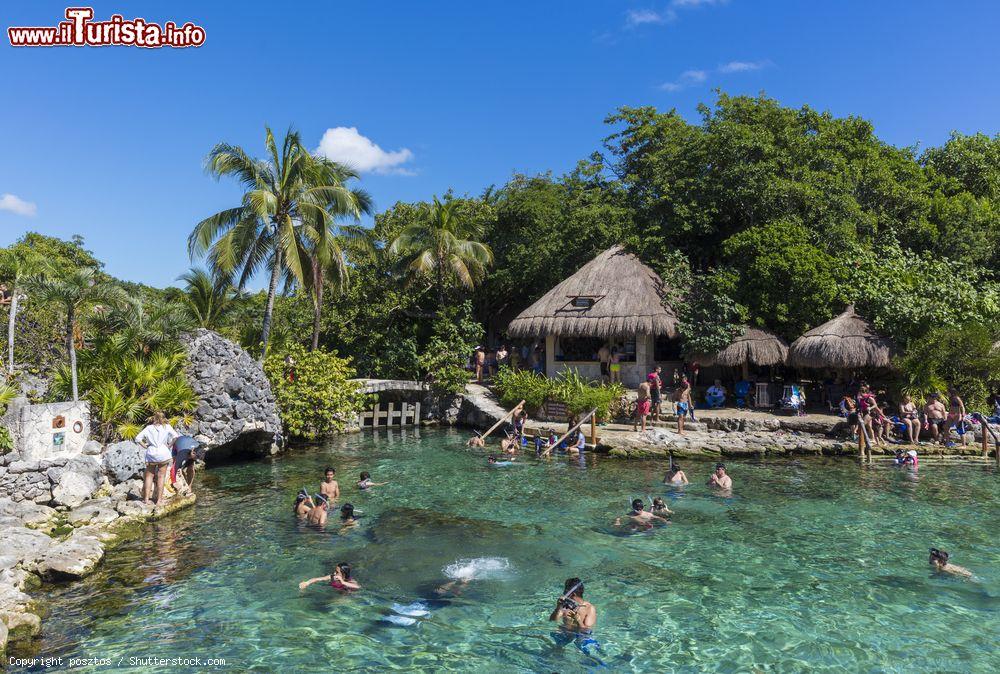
x,y
752,345
627,300
848,341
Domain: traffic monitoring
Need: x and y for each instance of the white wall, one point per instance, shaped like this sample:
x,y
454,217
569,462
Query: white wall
x,y
37,436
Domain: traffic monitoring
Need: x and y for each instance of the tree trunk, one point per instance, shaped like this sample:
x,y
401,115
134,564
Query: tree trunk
x,y
272,290
11,320
71,344
317,305
440,283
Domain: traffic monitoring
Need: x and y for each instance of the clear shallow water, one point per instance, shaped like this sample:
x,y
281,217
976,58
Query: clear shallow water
x,y
812,565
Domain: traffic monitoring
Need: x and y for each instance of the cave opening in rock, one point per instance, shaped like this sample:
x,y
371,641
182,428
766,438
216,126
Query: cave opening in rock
x,y
244,447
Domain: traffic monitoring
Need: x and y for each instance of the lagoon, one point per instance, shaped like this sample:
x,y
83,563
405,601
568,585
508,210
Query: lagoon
x,y
812,565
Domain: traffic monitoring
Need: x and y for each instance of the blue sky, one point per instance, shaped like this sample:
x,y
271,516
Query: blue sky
x,y
108,142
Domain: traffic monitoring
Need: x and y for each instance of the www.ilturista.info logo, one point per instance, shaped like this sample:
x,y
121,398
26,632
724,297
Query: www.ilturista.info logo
x,y
80,31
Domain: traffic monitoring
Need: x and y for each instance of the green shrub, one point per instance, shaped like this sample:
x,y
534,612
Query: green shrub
x,y
314,394
960,356
514,386
454,335
6,441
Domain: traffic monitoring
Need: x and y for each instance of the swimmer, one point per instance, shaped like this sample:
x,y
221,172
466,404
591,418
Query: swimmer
x,y
317,515
675,475
329,487
347,518
339,579
366,481
492,461
303,503
939,560
476,441
660,509
720,479
639,517
576,615
509,445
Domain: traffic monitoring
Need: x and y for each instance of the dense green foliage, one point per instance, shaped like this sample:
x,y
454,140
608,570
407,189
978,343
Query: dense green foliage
x,y
314,395
577,393
959,356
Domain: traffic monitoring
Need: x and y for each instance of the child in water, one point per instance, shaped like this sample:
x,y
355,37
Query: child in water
x,y
339,579
660,508
303,503
366,481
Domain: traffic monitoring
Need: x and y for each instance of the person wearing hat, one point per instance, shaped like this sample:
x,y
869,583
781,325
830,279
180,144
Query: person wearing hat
x,y
720,479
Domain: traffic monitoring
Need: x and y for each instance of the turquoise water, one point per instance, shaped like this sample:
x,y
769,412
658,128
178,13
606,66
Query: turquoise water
x,y
814,565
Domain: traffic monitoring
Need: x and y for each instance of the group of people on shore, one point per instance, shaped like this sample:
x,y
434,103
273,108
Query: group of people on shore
x,y
649,402
166,451
934,418
487,362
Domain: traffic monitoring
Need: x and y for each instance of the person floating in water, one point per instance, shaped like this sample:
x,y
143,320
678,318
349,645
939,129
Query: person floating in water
x,y
492,461
577,618
303,503
660,509
317,515
939,561
329,487
675,475
638,517
366,481
720,479
339,579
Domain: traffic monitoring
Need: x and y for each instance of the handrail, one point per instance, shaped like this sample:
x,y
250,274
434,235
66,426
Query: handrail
x,y
502,419
578,424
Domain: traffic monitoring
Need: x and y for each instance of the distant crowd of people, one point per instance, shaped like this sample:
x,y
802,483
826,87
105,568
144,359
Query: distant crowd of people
x,y
941,419
486,362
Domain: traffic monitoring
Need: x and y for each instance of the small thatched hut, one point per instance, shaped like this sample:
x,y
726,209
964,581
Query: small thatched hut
x,y
848,342
752,346
614,300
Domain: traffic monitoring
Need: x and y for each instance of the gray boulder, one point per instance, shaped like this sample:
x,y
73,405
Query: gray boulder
x,y
93,448
124,461
100,511
80,478
24,543
236,404
75,557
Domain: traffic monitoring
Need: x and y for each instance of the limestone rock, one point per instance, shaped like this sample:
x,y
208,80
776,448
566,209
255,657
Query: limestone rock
x,y
75,557
235,398
124,461
93,448
24,543
28,513
93,512
80,478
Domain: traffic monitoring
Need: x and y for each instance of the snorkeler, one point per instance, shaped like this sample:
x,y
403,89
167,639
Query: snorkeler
x,y
659,508
339,579
577,617
329,487
720,479
492,461
675,475
366,481
939,560
509,445
640,517
317,515
476,441
303,503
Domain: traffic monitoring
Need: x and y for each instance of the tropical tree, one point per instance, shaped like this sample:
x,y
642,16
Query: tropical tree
x,y
74,291
206,300
289,188
443,245
14,264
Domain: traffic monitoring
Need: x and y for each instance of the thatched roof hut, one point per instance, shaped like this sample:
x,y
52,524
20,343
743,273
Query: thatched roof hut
x,y
614,294
849,341
752,346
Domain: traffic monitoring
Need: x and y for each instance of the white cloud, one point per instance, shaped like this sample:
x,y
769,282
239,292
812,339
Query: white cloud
x,y
345,145
671,87
697,3
640,17
694,75
9,202
741,66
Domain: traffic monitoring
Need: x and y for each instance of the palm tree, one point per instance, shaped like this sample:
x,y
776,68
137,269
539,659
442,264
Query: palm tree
x,y
263,232
442,244
206,300
74,291
13,269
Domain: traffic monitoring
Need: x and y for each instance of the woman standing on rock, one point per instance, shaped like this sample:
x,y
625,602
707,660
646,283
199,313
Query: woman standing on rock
x,y
157,438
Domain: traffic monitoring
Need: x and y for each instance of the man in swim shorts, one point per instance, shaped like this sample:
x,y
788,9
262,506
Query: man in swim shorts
x,y
655,386
642,406
604,355
329,487
682,398
936,416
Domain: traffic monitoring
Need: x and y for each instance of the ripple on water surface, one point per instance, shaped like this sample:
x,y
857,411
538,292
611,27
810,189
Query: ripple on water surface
x,y
809,566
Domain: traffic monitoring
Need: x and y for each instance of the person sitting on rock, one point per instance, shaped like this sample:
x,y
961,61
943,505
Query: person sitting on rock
x,y
715,396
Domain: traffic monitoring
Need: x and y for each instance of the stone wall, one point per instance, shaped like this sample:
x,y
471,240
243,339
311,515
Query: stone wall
x,y
48,431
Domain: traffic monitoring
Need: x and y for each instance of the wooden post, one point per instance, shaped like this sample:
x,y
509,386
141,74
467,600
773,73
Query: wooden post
x,y
986,446
861,443
593,429
416,414
375,409
502,419
388,416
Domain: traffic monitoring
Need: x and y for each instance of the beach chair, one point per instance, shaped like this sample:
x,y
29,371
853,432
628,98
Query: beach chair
x,y
793,399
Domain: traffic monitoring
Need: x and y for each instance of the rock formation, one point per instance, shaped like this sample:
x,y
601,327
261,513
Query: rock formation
x,y
237,411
